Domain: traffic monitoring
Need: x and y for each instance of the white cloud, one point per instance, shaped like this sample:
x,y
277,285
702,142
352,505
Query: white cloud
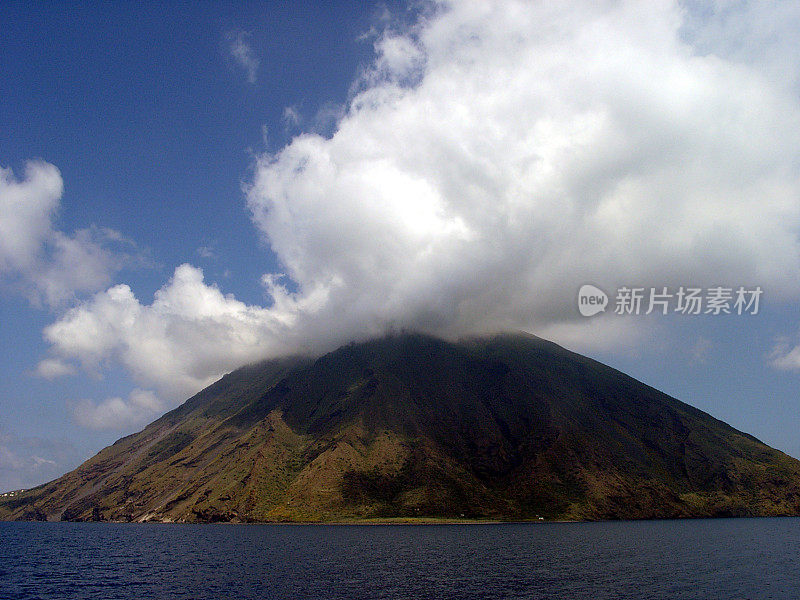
x,y
51,368
46,264
189,336
785,354
27,211
497,156
117,413
399,58
243,54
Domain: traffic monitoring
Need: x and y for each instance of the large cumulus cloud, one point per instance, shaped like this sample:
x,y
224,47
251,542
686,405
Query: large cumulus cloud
x,y
538,148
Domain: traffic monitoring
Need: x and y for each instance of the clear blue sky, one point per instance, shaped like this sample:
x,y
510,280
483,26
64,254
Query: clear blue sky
x,y
203,135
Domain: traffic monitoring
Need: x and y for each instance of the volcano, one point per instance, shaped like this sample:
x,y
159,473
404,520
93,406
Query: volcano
x,y
408,426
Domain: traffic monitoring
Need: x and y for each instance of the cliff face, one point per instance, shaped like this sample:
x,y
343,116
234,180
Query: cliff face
x,y
507,427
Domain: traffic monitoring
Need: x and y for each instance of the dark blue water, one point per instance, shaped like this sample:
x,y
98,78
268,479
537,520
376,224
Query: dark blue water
x,y
703,559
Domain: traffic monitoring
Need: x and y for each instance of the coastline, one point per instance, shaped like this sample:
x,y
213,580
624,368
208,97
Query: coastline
x,y
413,521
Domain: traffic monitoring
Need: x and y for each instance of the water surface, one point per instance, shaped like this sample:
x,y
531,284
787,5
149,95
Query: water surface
x,y
691,559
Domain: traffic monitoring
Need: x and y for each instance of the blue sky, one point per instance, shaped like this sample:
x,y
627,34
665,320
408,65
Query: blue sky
x,y
457,170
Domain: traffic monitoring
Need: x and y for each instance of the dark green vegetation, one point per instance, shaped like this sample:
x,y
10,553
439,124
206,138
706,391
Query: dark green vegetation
x,y
409,426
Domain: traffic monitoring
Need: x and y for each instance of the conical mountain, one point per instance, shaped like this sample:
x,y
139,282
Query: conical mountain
x,y
410,426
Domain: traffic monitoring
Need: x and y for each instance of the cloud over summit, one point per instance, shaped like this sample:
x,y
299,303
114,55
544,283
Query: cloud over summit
x,y
536,150
496,157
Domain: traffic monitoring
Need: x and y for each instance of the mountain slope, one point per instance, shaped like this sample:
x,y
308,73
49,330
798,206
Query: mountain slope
x,y
508,427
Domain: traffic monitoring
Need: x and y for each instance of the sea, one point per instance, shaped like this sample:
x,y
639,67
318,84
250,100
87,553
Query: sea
x,y
708,559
